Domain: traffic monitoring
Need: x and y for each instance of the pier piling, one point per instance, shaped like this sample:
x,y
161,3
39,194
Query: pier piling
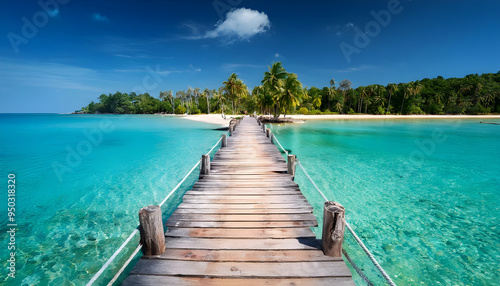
x,y
333,229
151,229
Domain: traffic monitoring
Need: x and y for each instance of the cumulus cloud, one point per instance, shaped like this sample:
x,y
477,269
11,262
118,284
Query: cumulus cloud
x,y
100,18
241,23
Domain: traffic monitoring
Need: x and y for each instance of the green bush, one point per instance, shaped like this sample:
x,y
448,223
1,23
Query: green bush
x,y
380,110
180,109
315,112
303,110
351,111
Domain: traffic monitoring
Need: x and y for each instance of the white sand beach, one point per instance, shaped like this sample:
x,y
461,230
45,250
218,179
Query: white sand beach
x,y
211,118
217,118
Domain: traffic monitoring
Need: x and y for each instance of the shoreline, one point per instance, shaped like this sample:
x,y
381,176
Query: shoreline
x,y
215,119
218,120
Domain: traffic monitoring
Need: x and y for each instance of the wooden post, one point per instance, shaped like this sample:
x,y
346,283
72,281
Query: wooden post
x,y
258,121
272,138
333,229
291,165
268,131
264,127
205,165
231,130
151,229
223,143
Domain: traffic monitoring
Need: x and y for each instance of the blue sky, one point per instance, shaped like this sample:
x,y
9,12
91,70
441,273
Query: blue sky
x,y
60,57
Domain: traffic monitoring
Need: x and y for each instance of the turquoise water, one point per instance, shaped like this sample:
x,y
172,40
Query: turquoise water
x,y
80,182
423,195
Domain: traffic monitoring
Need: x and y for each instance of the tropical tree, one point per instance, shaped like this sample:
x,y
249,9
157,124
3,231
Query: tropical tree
x,y
235,88
392,89
292,93
273,80
331,92
407,90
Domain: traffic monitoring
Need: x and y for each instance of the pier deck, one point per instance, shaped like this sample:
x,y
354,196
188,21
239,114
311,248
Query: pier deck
x,y
246,223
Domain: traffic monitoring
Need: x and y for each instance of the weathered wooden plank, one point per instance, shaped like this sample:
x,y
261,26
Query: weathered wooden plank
x,y
240,233
246,255
267,177
245,223
235,200
242,269
246,206
238,192
241,211
243,217
196,281
254,244
282,198
241,224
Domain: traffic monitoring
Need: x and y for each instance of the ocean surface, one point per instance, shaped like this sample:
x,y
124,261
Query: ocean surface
x,y
80,182
423,195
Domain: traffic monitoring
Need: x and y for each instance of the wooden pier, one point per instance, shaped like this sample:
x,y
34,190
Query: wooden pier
x,y
245,223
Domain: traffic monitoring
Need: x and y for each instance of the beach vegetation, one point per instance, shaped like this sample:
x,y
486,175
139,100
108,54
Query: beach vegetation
x,y
281,93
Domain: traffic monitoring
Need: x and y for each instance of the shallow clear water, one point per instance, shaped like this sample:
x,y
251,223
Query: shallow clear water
x,y
423,195
80,182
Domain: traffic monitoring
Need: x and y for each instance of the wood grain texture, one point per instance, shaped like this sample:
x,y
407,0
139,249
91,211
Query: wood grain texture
x,y
245,222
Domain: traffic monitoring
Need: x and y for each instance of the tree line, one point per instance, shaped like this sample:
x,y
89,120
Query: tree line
x,y
281,92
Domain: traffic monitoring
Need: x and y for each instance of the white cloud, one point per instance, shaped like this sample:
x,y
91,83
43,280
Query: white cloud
x,y
100,18
277,55
241,23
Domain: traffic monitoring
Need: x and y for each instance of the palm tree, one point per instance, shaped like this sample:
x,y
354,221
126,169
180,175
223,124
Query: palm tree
x,y
392,89
416,87
331,92
407,91
219,95
345,87
292,92
235,88
273,80
206,92
316,101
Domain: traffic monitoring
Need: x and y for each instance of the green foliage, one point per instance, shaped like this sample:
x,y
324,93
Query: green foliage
x,y
303,110
180,109
315,112
282,93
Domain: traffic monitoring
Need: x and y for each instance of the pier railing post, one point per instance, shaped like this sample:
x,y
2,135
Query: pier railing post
x,y
223,141
268,132
231,130
264,127
333,229
258,121
290,163
151,229
272,138
205,165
